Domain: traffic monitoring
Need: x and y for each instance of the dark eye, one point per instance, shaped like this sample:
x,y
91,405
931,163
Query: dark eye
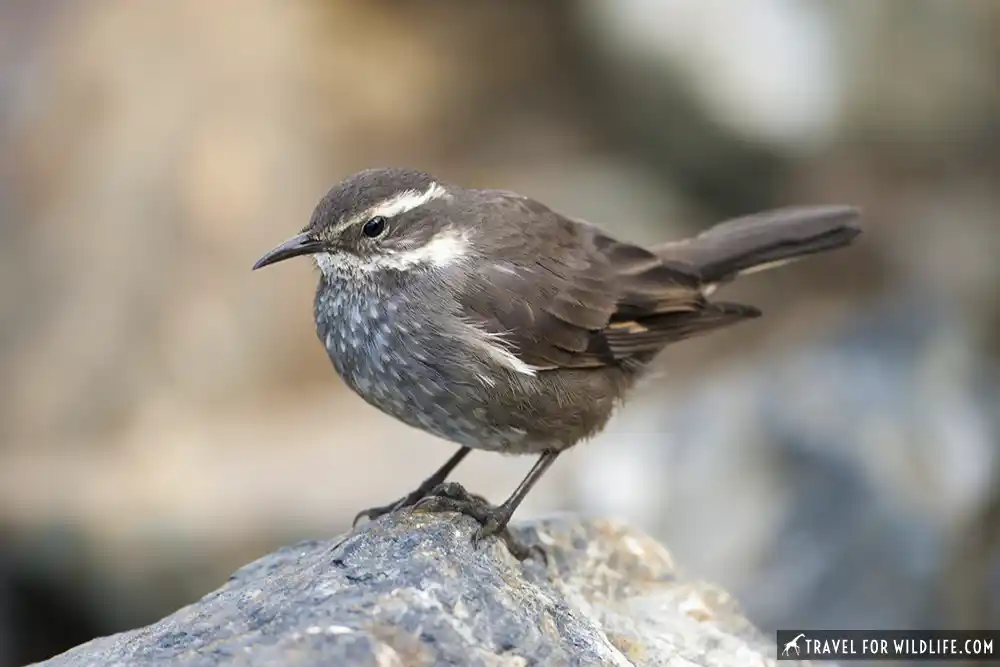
x,y
374,227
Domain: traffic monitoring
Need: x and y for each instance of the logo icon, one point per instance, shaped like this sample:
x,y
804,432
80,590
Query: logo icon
x,y
794,644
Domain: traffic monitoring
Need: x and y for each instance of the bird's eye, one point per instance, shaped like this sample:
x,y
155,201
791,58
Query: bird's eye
x,y
374,227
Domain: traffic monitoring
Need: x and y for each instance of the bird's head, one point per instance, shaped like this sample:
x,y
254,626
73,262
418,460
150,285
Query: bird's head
x,y
379,220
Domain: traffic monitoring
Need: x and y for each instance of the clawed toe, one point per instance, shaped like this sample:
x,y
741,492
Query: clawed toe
x,y
495,525
374,513
455,491
452,497
437,495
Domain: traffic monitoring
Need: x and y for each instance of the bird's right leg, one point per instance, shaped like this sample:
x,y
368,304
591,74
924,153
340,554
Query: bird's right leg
x,y
425,488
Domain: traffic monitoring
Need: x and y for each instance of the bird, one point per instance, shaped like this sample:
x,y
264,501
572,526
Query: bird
x,y
495,322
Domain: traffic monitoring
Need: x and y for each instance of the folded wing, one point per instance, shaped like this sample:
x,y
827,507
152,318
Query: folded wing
x,y
569,296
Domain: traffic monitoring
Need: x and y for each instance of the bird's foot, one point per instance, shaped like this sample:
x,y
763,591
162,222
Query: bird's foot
x,y
452,497
372,513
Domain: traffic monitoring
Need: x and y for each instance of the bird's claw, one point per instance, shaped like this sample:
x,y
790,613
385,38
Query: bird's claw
x,y
452,497
373,513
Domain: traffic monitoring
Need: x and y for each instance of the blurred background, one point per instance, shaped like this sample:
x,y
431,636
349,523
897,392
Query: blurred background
x,y
167,415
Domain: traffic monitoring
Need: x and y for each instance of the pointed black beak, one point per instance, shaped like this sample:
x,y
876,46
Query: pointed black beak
x,y
303,244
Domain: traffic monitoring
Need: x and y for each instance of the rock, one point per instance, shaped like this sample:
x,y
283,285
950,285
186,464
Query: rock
x,y
412,589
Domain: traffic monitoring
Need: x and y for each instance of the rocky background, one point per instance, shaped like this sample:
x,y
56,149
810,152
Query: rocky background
x,y
166,416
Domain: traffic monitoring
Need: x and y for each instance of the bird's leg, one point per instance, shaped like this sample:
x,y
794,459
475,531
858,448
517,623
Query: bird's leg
x,y
453,498
425,487
501,514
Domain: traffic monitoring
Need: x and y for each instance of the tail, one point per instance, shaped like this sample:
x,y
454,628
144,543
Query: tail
x,y
762,241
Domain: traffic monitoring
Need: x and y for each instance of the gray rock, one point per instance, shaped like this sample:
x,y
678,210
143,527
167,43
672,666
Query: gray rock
x,y
413,590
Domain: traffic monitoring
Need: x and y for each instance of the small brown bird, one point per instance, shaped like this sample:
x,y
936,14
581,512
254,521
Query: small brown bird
x,y
488,319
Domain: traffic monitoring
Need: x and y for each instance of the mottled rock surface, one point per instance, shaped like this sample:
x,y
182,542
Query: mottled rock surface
x,y
413,590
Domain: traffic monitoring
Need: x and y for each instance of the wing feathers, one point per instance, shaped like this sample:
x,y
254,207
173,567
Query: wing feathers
x,y
585,300
653,333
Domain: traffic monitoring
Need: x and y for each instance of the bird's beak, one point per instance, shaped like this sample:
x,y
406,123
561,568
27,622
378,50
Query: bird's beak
x,y
303,244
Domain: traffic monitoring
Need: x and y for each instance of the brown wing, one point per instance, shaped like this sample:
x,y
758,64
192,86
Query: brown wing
x,y
566,295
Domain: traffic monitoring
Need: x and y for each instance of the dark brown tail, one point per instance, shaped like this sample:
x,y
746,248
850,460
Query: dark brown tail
x,y
761,241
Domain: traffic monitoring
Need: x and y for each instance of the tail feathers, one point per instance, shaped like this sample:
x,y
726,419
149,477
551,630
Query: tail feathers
x,y
765,240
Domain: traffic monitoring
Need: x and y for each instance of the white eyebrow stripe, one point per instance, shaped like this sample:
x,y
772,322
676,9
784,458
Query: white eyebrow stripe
x,y
406,201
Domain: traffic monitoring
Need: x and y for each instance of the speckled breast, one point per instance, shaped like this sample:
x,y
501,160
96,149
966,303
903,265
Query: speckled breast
x,y
401,363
